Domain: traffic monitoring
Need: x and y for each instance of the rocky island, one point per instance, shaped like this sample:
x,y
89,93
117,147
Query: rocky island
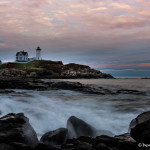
x,y
50,69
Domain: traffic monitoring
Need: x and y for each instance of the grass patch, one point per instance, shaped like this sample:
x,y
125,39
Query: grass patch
x,y
35,65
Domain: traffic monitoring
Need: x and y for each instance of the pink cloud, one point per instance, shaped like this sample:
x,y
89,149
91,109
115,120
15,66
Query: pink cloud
x,y
144,65
100,23
120,66
5,61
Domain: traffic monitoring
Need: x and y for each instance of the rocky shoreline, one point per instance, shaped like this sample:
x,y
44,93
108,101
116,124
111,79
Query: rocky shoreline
x,y
48,84
16,133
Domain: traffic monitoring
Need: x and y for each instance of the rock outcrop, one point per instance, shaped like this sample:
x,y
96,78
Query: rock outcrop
x,y
55,138
51,70
81,71
16,128
38,84
77,127
48,84
140,128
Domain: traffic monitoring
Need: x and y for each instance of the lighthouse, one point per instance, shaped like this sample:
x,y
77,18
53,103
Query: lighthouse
x,y
38,53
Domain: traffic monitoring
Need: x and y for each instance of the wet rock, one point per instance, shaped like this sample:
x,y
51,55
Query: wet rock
x,y
140,128
77,127
47,84
4,146
113,143
102,146
6,91
86,139
141,132
127,145
56,137
42,146
135,92
125,137
77,145
140,119
108,141
20,146
16,128
76,86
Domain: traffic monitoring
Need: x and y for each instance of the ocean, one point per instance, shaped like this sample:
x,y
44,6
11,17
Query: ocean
x,y
49,110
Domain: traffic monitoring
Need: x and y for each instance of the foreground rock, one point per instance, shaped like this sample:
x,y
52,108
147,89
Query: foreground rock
x,y
77,127
125,137
140,128
99,143
55,138
17,134
16,128
145,116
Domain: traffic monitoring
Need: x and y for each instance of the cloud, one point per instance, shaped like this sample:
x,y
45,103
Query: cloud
x,y
6,61
122,66
84,30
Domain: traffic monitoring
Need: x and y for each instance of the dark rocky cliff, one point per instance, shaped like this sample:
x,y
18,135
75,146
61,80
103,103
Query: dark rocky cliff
x,y
51,69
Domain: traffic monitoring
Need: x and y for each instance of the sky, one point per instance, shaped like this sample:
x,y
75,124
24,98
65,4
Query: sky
x,y
110,35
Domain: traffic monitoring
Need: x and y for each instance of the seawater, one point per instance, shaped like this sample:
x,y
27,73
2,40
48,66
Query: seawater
x,y
49,110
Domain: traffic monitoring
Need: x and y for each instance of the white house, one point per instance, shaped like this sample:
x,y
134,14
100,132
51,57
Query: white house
x,y
22,56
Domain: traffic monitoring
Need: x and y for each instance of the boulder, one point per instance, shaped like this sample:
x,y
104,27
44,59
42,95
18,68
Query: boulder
x,y
112,143
42,146
56,137
102,146
77,145
125,137
141,132
16,128
125,145
77,127
86,139
140,119
20,146
140,128
108,141
4,146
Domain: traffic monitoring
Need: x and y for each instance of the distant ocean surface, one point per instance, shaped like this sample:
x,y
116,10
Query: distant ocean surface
x,y
49,110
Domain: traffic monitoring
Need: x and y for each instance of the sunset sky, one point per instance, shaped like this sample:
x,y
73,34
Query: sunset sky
x,y
110,35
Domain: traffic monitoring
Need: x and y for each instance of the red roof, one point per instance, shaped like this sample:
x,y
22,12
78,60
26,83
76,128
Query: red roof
x,y
38,48
23,52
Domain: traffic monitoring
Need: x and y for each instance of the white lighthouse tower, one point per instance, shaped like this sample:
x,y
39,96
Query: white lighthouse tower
x,y
38,53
